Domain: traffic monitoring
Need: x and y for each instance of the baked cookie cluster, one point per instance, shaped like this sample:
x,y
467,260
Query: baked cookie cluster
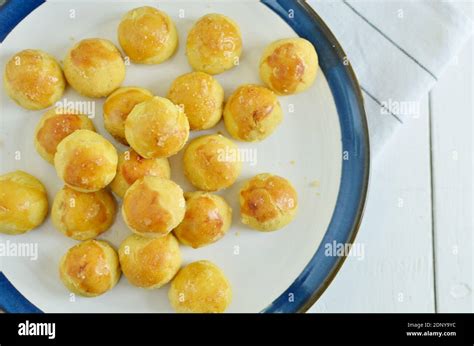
x,y
159,214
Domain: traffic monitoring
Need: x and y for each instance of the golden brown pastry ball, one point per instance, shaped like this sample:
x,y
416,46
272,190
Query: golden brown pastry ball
x,y
214,44
34,79
150,262
200,287
118,106
207,219
86,161
202,97
94,67
132,166
157,128
268,202
23,203
252,113
289,66
147,35
153,206
81,215
54,126
211,162
90,268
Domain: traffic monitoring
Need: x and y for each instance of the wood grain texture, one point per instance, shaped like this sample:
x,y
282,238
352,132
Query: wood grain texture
x,y
396,272
400,263
452,171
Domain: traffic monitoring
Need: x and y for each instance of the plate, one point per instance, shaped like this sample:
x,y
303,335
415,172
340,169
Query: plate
x,y
321,147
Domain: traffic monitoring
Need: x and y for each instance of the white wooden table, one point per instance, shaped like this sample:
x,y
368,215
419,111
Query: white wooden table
x,y
417,230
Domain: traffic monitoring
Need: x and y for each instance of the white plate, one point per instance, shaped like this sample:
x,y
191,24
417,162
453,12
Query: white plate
x,y
306,149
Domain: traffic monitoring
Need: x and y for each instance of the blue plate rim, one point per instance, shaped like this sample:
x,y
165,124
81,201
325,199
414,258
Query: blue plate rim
x,y
347,216
321,269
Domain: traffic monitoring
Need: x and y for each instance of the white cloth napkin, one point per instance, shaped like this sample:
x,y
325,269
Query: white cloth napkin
x,y
398,50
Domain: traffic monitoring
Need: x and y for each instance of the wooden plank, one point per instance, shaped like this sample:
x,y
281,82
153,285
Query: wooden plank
x,y
452,166
396,272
